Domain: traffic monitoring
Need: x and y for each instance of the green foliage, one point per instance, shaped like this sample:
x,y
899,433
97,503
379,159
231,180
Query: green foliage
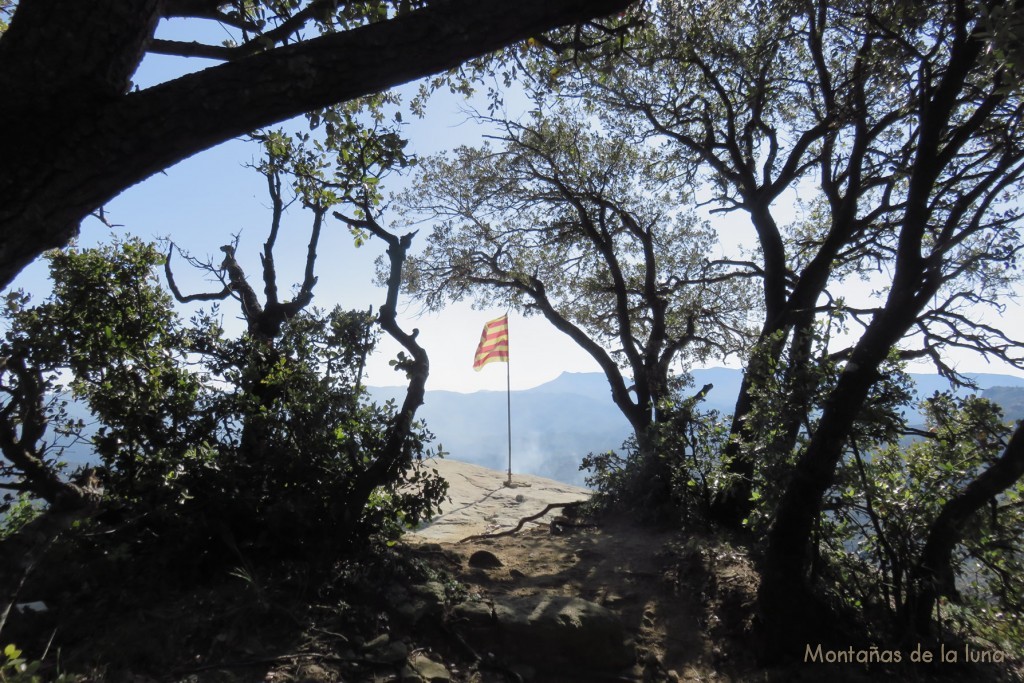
x,y
692,442
788,396
686,445
562,216
214,447
609,476
888,499
14,668
566,220
16,512
7,8
1004,31
343,157
111,326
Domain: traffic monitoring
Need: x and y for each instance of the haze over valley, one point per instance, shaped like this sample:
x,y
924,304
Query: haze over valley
x,y
556,424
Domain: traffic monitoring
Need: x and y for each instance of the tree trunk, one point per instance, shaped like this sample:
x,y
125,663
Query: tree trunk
x,y
649,489
916,279
732,504
789,613
78,55
78,140
395,455
21,552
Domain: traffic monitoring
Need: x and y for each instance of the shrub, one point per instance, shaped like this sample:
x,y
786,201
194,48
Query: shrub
x,y
213,446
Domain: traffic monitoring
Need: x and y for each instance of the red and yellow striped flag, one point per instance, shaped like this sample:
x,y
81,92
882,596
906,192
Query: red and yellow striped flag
x,y
493,343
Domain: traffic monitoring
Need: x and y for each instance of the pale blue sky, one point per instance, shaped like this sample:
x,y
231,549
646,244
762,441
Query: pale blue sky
x,y
203,200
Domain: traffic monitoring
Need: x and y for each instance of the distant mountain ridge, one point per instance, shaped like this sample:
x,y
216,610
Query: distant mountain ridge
x,y
556,424
553,426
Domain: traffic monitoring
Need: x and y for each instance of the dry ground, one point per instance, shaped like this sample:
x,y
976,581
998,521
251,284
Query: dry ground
x,y
685,600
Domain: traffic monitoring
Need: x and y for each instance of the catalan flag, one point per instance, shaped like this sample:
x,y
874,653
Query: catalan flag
x,y
493,343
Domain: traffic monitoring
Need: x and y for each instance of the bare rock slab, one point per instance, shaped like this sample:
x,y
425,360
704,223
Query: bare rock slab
x,y
482,503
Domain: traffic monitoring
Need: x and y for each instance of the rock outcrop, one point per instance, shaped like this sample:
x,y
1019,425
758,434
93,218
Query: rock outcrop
x,y
481,502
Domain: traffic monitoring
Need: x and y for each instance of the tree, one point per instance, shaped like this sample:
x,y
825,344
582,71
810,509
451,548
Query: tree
x,y
284,346
908,140
953,151
6,10
175,403
766,102
211,445
84,135
109,325
1003,24
584,230
265,321
933,573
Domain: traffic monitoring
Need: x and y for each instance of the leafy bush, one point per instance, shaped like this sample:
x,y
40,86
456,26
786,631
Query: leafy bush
x,y
686,444
213,446
891,498
16,512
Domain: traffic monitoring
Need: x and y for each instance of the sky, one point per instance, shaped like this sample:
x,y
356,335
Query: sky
x,y
203,201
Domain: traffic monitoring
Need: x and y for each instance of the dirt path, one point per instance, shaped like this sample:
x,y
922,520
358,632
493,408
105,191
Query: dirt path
x,y
676,596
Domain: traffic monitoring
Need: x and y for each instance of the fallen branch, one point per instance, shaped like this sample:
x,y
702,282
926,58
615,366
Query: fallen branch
x,y
522,522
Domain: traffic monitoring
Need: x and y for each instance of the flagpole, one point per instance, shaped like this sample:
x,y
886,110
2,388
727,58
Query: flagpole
x,y
508,396
493,347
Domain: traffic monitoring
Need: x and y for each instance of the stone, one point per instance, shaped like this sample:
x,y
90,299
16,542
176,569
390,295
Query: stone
x,y
429,670
524,671
396,594
380,641
476,612
422,600
480,501
412,611
484,559
615,599
432,592
409,675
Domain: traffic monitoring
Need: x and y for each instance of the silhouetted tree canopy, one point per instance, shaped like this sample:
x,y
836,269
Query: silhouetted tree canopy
x,y
84,134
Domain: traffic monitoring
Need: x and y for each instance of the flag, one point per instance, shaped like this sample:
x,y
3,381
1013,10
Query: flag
x,y
493,343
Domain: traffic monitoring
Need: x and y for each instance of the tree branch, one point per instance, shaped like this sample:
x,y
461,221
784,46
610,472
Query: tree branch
x,y
214,296
88,156
933,573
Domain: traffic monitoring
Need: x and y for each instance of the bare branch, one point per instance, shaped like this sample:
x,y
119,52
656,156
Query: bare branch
x,y
214,296
178,48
